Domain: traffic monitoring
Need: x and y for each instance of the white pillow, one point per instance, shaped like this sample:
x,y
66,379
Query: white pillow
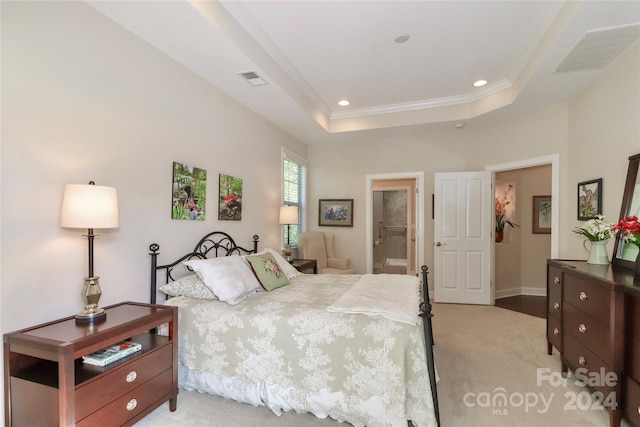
x,y
289,270
229,278
190,286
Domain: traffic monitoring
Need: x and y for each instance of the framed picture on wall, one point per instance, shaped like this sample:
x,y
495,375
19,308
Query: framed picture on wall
x,y
541,216
335,212
589,199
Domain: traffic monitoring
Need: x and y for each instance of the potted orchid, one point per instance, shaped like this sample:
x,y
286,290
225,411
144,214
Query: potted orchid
x,y
501,214
596,231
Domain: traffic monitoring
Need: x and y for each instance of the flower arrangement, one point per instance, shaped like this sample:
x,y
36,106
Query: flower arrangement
x,y
501,211
630,229
596,229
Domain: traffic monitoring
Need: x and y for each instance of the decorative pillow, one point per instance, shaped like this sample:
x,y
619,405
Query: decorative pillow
x,y
289,270
229,278
267,271
189,286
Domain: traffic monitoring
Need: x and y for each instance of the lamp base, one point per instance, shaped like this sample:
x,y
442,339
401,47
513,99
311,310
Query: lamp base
x,y
91,291
90,315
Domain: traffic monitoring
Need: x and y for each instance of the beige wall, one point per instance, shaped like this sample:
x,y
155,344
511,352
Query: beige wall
x,y
83,99
521,259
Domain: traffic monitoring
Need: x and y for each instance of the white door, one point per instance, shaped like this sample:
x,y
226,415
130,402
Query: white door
x,y
463,235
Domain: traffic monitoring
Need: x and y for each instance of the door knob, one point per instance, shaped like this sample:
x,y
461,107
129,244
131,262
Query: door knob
x,y
440,244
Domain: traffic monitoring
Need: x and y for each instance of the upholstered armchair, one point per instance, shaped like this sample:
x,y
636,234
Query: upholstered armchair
x,y
319,246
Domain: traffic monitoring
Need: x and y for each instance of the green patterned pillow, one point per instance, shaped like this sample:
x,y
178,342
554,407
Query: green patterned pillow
x,y
267,270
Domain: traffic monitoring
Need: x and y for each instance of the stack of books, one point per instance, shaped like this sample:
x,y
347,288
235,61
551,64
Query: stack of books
x,y
112,353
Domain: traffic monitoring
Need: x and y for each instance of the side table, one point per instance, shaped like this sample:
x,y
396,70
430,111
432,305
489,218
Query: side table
x,y
305,264
43,369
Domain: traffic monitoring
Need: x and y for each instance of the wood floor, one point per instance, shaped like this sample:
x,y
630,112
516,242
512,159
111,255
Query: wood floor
x,y
527,304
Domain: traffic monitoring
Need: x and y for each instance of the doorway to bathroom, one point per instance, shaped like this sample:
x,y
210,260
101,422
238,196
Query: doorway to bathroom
x,y
393,224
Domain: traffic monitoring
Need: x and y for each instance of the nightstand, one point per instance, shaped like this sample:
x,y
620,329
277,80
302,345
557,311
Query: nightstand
x,y
46,383
305,264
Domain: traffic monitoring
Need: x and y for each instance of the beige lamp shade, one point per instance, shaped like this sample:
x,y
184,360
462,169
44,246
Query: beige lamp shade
x,y
288,215
89,206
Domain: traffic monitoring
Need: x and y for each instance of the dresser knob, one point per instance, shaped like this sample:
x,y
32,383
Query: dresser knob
x,y
582,361
556,280
582,328
556,306
131,405
583,296
638,409
131,376
556,331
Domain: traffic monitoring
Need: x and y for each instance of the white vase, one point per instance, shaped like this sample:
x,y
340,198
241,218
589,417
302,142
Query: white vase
x,y
597,252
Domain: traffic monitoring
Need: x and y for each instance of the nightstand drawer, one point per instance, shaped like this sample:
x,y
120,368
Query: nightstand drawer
x,y
116,382
588,331
131,404
592,299
554,333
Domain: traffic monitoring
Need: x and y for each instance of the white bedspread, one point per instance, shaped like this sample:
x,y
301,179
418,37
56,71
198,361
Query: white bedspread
x,y
392,296
284,350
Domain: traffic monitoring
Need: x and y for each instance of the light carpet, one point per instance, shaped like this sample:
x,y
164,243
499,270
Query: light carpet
x,y
482,353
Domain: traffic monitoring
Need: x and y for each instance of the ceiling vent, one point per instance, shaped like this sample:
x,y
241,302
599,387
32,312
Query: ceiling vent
x,y
253,78
597,48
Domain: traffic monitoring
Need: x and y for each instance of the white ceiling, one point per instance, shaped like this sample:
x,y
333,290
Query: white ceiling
x,y
312,54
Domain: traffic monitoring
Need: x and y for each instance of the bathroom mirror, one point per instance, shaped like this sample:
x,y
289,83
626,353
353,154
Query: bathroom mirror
x,y
625,256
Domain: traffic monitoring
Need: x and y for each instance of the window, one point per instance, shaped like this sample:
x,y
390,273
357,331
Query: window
x,y
294,193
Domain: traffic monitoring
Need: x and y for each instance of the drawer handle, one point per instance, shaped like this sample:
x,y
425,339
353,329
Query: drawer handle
x,y
638,409
582,328
582,361
131,405
556,331
131,376
583,296
556,306
556,280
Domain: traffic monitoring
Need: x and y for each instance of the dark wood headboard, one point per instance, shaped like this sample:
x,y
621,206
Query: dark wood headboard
x,y
213,245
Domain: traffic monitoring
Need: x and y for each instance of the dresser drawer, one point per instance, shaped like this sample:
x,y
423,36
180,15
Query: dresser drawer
x,y
589,332
554,332
591,299
554,286
632,358
118,381
131,404
578,356
631,400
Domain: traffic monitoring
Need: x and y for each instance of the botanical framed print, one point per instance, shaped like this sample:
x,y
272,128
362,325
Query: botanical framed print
x,y
335,212
541,216
589,199
230,199
189,192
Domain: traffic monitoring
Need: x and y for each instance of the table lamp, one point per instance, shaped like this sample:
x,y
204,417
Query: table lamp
x,y
288,216
90,206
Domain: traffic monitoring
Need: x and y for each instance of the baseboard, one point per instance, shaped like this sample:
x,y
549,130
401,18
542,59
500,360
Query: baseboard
x,y
512,292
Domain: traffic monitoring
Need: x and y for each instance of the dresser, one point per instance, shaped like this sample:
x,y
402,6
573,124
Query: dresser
x,y
593,321
46,383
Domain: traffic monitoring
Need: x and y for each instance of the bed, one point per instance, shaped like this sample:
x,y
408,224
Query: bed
x,y
254,329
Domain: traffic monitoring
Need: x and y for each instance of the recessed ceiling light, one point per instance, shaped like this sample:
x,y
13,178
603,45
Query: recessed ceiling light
x,y
401,38
480,83
343,103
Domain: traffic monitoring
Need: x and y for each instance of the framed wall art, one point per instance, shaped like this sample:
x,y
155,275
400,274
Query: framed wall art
x,y
189,192
230,199
589,199
335,212
541,216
